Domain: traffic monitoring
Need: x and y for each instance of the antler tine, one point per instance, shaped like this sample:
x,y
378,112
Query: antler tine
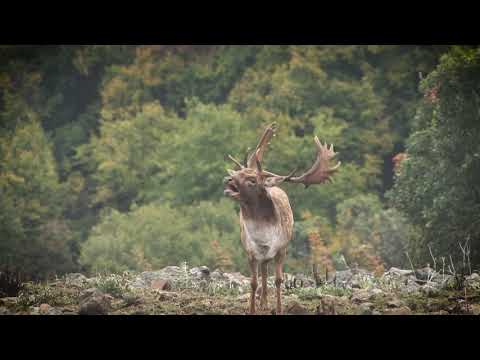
x,y
320,171
236,161
245,160
262,145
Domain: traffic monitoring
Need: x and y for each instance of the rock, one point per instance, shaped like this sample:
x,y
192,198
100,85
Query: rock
x,y
174,274
76,280
426,273
355,284
237,280
429,290
341,278
361,295
300,280
377,292
200,273
404,310
161,284
46,309
294,308
394,303
4,311
8,301
473,277
365,309
217,275
95,303
399,272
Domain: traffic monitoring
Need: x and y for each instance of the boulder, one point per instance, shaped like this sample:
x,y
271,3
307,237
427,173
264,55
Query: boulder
x,y
8,301
76,280
430,290
200,273
4,311
295,308
94,302
404,310
365,309
161,284
46,309
399,272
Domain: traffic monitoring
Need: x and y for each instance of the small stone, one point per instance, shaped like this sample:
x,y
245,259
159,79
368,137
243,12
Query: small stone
x,y
430,290
404,310
365,309
46,309
96,304
295,308
360,296
395,303
4,311
201,272
8,301
76,280
161,284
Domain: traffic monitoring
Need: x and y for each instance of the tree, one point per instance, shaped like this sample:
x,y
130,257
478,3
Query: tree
x,y
438,185
34,236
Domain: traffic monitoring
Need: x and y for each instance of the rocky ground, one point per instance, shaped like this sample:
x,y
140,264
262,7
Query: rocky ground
x,y
199,291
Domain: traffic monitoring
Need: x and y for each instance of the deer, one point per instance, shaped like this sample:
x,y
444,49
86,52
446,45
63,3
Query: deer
x,y
266,217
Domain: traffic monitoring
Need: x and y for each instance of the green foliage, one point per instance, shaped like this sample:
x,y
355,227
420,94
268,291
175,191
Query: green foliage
x,y
438,185
113,156
34,237
116,285
157,235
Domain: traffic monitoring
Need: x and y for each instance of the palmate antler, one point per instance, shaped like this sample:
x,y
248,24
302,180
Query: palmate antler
x,y
319,173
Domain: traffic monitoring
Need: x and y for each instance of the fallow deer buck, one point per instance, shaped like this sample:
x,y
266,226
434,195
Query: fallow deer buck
x,y
266,218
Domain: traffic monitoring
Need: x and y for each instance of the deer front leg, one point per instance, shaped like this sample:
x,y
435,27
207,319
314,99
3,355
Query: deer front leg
x,y
279,278
264,301
253,282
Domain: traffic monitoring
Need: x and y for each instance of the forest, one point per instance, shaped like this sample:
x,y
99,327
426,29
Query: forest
x,y
112,157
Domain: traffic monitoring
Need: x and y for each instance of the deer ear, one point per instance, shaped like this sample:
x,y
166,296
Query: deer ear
x,y
273,181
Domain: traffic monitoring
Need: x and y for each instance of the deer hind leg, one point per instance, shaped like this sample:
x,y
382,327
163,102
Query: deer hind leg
x,y
279,258
264,301
253,282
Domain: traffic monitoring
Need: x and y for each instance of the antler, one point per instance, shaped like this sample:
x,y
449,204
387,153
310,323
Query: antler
x,y
253,160
317,174
321,170
257,155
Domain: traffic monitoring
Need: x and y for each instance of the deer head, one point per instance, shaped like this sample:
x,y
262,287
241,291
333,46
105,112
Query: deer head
x,y
250,180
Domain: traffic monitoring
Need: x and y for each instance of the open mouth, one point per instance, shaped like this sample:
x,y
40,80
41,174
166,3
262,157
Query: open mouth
x,y
231,189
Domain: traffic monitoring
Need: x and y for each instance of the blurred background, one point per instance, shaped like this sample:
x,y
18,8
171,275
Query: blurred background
x,y
112,157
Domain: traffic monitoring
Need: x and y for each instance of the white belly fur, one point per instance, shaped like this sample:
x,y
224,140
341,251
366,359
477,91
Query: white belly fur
x,y
264,240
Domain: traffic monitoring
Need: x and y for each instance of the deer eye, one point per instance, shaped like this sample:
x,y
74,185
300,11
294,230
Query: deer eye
x,y
251,182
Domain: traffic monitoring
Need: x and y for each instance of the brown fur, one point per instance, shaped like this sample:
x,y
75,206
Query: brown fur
x,y
266,218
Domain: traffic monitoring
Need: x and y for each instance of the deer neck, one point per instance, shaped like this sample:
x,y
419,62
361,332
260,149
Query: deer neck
x,y
260,208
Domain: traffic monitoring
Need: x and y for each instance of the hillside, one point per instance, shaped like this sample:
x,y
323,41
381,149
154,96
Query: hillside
x,y
198,291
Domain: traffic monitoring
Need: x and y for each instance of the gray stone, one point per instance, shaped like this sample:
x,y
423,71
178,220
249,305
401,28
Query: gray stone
x,y
94,302
399,272
76,279
295,308
361,295
4,311
8,301
394,303
430,291
200,273
46,309
365,309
